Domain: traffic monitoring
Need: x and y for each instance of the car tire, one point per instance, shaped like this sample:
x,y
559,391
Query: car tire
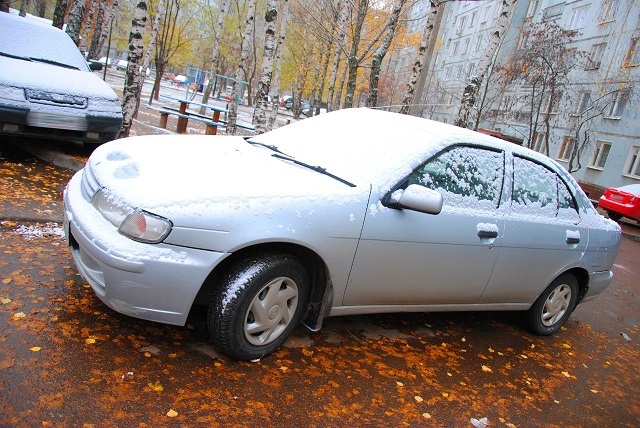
x,y
257,305
614,216
554,306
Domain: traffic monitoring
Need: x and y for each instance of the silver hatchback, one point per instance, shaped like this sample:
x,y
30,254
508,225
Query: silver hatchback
x,y
352,212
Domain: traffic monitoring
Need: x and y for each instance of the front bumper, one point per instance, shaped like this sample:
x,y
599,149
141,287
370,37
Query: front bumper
x,y
94,128
156,282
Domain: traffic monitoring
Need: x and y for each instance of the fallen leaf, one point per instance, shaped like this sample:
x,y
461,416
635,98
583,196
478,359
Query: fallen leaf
x,y
486,369
35,349
5,301
418,399
566,374
595,391
172,413
445,394
156,386
20,315
6,281
399,383
566,345
90,341
479,423
426,415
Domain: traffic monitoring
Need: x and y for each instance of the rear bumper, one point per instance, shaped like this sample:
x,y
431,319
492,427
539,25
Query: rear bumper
x,y
628,210
598,281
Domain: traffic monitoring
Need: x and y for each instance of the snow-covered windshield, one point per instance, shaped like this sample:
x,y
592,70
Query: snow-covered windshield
x,y
362,145
26,39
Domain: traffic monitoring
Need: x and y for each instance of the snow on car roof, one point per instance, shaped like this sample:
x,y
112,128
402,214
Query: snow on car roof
x,y
25,37
365,145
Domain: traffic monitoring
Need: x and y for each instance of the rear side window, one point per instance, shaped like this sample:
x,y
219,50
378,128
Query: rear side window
x,y
539,192
466,176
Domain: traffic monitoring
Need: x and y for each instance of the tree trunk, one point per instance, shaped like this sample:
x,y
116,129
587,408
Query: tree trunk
x,y
472,88
4,5
275,83
131,93
264,85
215,54
240,70
149,52
24,4
59,13
418,65
353,62
378,56
86,27
343,22
74,21
41,8
98,31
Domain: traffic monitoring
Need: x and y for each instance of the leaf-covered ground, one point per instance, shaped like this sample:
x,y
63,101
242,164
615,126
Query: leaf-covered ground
x,y
66,360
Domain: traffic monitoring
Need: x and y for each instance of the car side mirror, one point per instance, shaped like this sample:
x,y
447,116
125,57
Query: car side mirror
x,y
95,66
420,198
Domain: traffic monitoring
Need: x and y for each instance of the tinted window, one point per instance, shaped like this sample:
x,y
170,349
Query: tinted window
x,y
464,175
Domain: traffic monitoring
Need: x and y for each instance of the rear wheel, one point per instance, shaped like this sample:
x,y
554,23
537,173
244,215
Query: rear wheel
x,y
554,306
258,304
614,215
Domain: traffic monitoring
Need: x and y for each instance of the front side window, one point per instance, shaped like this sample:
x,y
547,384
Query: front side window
x,y
466,176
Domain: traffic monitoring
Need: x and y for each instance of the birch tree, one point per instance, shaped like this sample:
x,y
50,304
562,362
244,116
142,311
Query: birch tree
x,y
131,92
24,4
260,116
59,13
215,55
419,63
275,83
4,5
241,69
344,8
97,39
475,82
353,59
378,56
74,20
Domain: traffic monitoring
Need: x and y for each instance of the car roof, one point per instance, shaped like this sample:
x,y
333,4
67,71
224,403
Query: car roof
x,y
26,37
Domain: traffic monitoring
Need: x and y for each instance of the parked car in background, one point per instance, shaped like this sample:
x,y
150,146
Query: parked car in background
x,y
105,62
333,215
621,202
285,99
121,64
48,90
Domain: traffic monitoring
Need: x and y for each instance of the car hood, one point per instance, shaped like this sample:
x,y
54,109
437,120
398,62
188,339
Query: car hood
x,y
54,79
179,175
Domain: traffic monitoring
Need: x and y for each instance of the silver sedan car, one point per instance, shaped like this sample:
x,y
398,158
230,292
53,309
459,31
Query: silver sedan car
x,y
351,212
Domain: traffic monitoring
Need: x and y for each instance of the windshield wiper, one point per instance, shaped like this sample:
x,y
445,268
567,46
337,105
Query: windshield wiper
x,y
52,62
315,168
268,146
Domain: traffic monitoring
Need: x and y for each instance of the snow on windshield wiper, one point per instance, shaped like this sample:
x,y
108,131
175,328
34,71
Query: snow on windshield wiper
x,y
52,62
268,146
314,168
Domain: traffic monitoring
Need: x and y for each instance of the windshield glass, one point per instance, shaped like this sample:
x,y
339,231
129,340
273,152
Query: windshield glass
x,y
29,39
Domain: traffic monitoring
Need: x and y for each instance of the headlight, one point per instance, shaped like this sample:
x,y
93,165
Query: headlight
x,y
133,223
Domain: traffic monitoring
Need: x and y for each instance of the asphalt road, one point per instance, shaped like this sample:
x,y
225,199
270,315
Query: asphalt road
x,y
68,360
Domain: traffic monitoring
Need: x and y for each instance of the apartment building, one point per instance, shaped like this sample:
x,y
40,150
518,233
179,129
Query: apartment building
x,y
589,121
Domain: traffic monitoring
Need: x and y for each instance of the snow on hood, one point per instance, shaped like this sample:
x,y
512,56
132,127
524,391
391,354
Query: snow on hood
x,y
51,78
178,171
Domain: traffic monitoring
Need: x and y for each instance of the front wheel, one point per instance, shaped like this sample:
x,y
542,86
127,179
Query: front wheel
x,y
257,305
554,306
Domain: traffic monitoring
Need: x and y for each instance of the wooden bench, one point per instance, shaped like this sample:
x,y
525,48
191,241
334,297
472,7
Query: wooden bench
x,y
240,125
212,126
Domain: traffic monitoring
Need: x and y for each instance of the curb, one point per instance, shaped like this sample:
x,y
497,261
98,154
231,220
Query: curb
x,y
47,154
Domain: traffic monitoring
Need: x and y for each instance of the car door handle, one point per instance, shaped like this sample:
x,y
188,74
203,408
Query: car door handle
x,y
486,234
573,241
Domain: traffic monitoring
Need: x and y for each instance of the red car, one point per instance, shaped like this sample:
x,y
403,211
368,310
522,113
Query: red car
x,y
622,202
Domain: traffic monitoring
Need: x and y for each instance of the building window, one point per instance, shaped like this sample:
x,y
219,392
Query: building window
x,y
553,12
465,46
568,145
595,56
538,142
454,49
476,48
458,71
533,6
609,10
461,24
584,100
448,75
633,163
470,70
619,103
485,14
578,17
600,155
474,18
633,57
